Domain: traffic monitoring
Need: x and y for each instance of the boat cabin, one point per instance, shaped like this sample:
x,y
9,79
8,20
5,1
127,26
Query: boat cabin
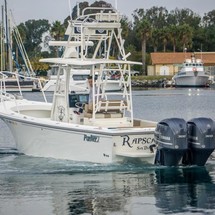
x,y
111,109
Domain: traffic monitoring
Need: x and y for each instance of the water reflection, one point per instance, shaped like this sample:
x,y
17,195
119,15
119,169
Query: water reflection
x,y
152,191
184,190
167,190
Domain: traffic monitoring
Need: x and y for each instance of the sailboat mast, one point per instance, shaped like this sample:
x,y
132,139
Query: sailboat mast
x,y
8,41
2,42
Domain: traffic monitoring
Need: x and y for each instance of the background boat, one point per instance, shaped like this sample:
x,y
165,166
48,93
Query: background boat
x,y
192,74
78,81
16,75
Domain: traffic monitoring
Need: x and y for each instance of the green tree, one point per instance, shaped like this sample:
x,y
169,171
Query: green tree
x,y
208,43
164,37
185,36
57,32
155,38
31,32
209,19
184,16
173,35
157,16
143,29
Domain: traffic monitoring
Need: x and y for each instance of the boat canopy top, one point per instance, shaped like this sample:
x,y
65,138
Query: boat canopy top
x,y
86,62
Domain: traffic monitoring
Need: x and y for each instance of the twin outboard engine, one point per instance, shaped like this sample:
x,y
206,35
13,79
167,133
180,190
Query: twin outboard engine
x,y
171,139
201,141
187,143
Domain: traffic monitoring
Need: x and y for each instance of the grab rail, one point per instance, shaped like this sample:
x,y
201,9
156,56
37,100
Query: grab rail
x,y
6,96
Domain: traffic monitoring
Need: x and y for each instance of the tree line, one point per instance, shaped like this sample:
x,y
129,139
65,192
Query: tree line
x,y
150,30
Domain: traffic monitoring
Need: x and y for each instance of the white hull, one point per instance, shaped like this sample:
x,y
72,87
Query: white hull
x,y
16,89
59,140
191,81
12,86
74,86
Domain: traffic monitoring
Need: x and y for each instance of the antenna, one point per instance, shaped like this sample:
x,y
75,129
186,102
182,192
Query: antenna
x,y
185,52
70,9
116,4
200,51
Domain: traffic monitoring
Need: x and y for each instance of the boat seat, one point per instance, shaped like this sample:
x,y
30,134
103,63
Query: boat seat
x,y
106,109
103,115
108,106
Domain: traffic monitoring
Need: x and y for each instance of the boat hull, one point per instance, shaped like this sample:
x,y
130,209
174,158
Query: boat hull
x,y
12,85
78,86
191,81
59,140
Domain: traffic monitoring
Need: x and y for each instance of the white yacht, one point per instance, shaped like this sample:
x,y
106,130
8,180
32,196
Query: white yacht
x,y
78,81
192,74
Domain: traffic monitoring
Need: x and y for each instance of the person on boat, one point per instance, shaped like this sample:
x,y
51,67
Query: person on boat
x,y
91,94
90,83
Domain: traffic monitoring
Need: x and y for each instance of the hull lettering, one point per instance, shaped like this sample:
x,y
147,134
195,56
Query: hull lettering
x,y
130,142
91,138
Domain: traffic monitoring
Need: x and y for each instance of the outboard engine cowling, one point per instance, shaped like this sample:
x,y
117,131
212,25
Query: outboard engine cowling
x,y
171,139
201,140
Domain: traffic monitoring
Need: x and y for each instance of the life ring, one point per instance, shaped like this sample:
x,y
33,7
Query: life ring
x,y
194,69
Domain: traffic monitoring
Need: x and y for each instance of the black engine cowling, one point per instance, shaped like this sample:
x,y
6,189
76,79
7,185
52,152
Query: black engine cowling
x,y
201,141
171,139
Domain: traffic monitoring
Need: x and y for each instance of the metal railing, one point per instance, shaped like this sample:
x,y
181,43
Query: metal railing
x,y
17,78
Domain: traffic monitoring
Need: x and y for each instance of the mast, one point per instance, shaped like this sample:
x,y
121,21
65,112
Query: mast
x,y
2,42
6,34
116,5
8,42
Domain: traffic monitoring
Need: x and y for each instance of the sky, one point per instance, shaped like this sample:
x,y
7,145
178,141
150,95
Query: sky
x,y
54,10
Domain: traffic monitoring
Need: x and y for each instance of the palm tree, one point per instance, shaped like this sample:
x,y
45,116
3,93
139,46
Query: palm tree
x,y
155,38
143,29
164,37
185,35
173,35
57,32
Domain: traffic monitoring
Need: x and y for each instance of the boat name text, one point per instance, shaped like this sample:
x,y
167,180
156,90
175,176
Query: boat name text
x,y
91,138
136,141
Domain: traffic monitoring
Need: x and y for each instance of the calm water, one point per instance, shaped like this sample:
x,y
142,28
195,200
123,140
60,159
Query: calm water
x,y
39,186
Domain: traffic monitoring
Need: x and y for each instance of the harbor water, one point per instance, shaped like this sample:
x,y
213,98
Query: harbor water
x,y
42,186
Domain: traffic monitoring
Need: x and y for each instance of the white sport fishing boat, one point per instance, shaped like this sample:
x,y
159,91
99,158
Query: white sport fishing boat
x,y
192,74
105,130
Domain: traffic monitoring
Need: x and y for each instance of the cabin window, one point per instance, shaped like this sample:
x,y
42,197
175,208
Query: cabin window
x,y
80,77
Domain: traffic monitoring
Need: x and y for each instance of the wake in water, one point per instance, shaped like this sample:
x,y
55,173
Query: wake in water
x,y
11,161
9,150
